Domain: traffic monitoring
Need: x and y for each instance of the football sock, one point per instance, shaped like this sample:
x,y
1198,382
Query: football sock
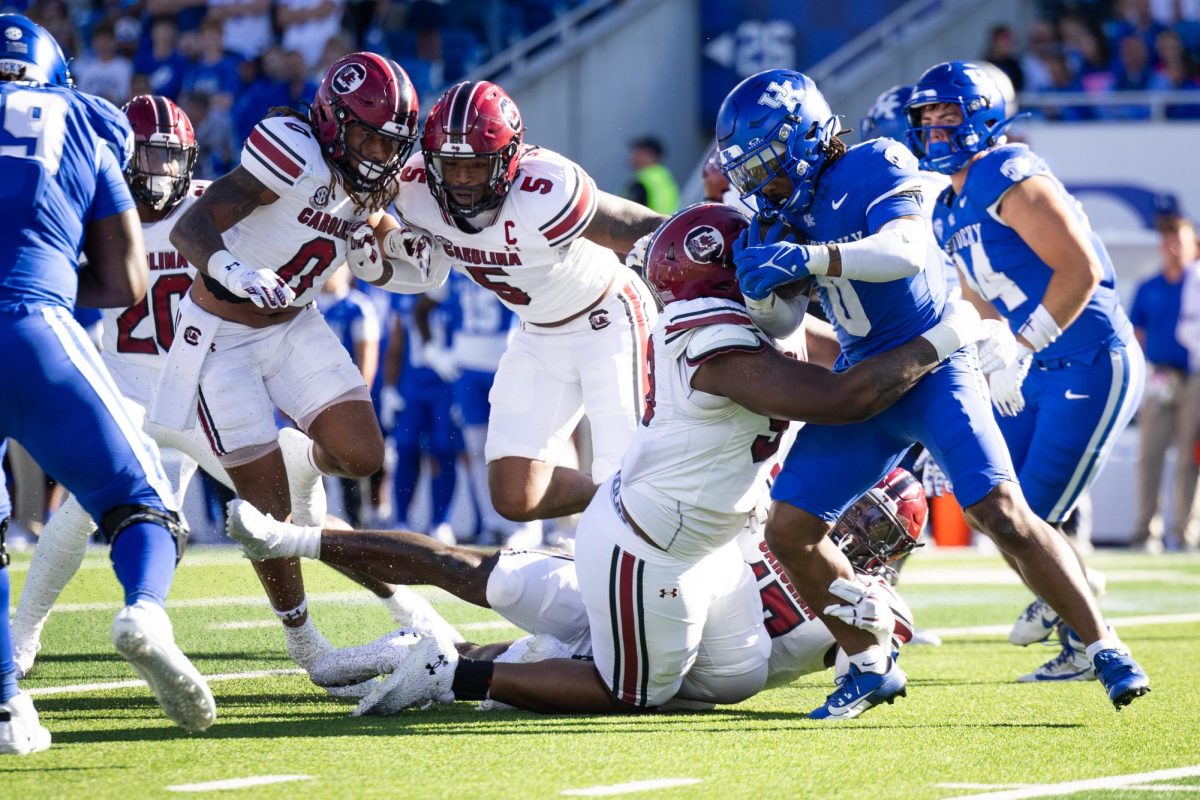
x,y
8,667
143,556
1109,642
472,679
873,659
60,551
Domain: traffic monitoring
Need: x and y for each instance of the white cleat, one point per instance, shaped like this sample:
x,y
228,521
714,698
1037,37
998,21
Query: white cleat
x,y
541,647
305,482
425,676
263,537
410,610
1035,624
1071,663
142,634
307,646
21,732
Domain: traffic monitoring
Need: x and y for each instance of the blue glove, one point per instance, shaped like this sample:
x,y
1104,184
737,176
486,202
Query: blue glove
x,y
762,268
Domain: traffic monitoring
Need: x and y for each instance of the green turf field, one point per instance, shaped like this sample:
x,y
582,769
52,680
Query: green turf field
x,y
966,729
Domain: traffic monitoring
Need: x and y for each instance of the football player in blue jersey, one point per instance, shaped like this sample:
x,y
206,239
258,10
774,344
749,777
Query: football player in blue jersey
x,y
1066,372
64,190
854,215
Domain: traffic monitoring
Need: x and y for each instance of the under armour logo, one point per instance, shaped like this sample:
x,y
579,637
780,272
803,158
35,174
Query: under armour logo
x,y
783,94
437,664
671,592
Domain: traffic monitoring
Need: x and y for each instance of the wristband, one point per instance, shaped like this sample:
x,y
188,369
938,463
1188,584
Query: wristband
x,y
220,266
1040,330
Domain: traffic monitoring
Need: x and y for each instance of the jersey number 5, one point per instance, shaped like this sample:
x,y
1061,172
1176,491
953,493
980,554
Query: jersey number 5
x,y
506,291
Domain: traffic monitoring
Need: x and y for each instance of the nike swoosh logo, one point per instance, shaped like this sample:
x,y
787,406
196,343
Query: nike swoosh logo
x,y
838,203
1072,396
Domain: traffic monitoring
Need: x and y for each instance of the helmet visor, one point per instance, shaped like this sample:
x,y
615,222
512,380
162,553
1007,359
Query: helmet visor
x,y
756,169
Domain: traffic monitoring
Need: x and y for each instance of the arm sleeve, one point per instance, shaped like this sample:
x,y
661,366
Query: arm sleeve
x,y
407,279
778,316
112,193
897,250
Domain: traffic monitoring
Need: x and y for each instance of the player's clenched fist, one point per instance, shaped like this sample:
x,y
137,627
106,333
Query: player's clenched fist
x,y
263,287
362,253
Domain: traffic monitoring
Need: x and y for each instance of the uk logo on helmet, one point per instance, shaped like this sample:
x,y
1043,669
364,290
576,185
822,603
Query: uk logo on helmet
x,y
348,78
784,94
704,244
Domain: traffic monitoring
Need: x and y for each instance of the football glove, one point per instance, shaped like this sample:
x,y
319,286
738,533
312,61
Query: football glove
x,y
263,287
635,259
409,245
763,266
862,609
362,252
999,349
1006,384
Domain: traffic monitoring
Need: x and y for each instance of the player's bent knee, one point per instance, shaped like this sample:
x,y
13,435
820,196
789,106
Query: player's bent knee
x,y
724,688
118,519
1004,516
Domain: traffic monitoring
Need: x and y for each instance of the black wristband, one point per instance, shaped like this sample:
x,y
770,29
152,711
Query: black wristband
x,y
472,679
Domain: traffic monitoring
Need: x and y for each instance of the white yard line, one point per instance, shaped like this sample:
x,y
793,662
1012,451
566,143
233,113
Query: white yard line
x,y
1128,622
236,783
1133,781
626,788
77,688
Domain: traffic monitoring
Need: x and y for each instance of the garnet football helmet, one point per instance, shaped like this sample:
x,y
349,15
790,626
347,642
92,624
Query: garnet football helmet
x,y
373,93
30,47
691,254
164,151
472,120
884,524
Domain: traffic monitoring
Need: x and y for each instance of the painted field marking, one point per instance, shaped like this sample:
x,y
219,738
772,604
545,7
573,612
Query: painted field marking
x,y
76,688
236,783
1133,781
243,625
632,786
1145,619
489,625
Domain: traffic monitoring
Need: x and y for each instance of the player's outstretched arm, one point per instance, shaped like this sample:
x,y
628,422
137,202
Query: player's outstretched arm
x,y
619,223
115,274
769,383
229,200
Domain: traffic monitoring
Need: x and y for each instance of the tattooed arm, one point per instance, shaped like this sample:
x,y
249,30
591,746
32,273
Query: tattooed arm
x,y
619,222
232,198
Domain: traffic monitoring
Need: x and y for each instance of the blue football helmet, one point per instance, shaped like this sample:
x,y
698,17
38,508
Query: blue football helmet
x,y
887,117
775,124
29,46
981,102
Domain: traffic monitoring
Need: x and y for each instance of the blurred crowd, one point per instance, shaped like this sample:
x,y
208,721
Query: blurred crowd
x,y
228,62
1102,47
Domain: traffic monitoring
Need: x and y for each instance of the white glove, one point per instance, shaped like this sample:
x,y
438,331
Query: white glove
x,y
410,245
960,326
348,666
999,349
263,287
1006,384
391,404
362,253
933,479
862,609
441,361
636,257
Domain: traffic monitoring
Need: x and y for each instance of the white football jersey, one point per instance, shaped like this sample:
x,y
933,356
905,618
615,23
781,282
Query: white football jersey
x,y
532,255
302,235
698,462
142,334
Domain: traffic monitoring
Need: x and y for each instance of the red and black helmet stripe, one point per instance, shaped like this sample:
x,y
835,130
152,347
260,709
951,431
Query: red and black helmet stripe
x,y
460,107
164,121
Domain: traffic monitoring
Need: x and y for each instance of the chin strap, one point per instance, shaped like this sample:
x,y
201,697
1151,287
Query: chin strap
x,y
998,130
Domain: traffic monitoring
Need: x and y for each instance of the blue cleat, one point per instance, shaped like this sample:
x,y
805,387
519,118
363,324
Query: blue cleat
x,y
858,691
1122,677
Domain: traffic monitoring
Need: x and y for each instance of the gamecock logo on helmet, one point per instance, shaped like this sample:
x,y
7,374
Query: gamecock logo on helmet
x,y
704,244
508,109
349,78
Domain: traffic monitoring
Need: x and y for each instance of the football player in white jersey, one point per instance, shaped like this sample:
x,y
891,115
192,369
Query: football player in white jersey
x,y
538,592
135,342
670,602
264,238
530,226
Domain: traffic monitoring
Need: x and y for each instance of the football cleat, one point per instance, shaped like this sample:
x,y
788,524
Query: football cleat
x,y
410,610
25,650
21,733
425,676
1123,678
1035,624
142,634
262,536
860,691
1071,663
305,483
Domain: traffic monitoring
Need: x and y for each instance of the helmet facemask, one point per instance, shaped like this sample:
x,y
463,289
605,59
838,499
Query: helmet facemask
x,y
160,171
786,164
871,533
362,172
470,199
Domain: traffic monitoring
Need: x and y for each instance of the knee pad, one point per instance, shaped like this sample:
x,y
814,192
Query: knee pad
x,y
121,517
3,543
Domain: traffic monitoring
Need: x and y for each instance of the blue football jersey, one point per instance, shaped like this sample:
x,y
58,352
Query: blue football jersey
x,y
110,124
404,306
872,184
1004,270
352,318
59,175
